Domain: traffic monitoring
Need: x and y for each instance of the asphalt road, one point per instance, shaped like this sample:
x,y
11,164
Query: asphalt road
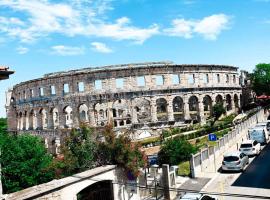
x,y
257,174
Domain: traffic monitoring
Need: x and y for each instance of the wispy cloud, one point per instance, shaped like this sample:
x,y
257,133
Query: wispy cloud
x,y
209,27
22,50
265,1
67,50
80,17
100,47
189,2
266,21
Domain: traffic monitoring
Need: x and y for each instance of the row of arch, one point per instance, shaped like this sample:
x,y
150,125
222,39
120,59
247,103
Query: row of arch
x,y
124,112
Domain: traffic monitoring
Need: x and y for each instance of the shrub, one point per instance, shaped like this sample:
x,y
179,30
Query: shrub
x,y
122,151
149,141
184,169
218,110
173,151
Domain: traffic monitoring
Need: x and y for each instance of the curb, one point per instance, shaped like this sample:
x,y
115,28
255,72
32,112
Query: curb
x,y
209,182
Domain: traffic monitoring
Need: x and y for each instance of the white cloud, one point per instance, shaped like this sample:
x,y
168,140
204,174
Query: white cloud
x,y
100,47
181,28
67,50
209,27
80,17
22,50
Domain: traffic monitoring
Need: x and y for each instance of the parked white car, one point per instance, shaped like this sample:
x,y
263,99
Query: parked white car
x,y
234,161
197,196
250,147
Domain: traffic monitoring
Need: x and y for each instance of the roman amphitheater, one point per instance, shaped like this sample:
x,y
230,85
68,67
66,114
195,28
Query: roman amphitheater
x,y
139,96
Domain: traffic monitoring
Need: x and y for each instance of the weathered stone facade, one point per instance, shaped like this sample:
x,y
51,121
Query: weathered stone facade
x,y
129,96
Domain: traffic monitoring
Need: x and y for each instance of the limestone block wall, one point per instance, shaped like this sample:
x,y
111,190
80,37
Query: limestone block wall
x,y
132,95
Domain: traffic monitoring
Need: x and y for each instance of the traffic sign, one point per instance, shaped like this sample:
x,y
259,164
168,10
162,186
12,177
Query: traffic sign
x,y
212,137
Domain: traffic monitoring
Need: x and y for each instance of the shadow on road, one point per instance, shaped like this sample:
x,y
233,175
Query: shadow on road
x,y
257,174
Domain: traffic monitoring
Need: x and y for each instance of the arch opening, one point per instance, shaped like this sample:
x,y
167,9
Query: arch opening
x,y
68,117
162,114
194,108
207,106
178,109
143,110
228,102
102,190
83,109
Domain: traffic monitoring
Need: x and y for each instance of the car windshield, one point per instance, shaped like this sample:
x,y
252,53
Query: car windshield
x,y
246,145
231,158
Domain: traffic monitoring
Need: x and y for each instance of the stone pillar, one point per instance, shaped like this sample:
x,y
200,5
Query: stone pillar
x,y
35,120
239,102
186,108
39,120
62,118
27,121
225,103
110,113
59,89
50,120
153,110
24,122
134,116
18,123
21,122
233,104
201,111
75,116
57,145
170,110
91,113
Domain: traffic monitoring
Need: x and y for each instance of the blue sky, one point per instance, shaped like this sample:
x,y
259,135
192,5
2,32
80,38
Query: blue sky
x,y
42,36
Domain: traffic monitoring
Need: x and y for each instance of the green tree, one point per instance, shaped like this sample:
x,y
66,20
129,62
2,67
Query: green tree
x,y
175,150
121,151
3,125
24,161
218,110
79,152
261,79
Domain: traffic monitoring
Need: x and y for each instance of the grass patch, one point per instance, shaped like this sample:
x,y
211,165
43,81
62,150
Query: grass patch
x,y
153,140
184,169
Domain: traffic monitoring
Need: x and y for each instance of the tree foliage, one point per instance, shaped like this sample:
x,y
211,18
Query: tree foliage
x,y
79,151
218,110
24,162
261,79
175,150
121,151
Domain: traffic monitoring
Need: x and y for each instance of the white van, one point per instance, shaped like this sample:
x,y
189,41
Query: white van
x,y
266,126
259,134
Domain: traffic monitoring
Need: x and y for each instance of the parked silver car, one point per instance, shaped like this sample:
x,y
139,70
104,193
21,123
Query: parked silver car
x,y
235,161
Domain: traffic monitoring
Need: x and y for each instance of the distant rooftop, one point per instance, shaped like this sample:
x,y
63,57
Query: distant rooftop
x,y
5,72
126,66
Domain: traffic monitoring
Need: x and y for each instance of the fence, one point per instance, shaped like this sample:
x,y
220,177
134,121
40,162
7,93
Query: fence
x,y
209,159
